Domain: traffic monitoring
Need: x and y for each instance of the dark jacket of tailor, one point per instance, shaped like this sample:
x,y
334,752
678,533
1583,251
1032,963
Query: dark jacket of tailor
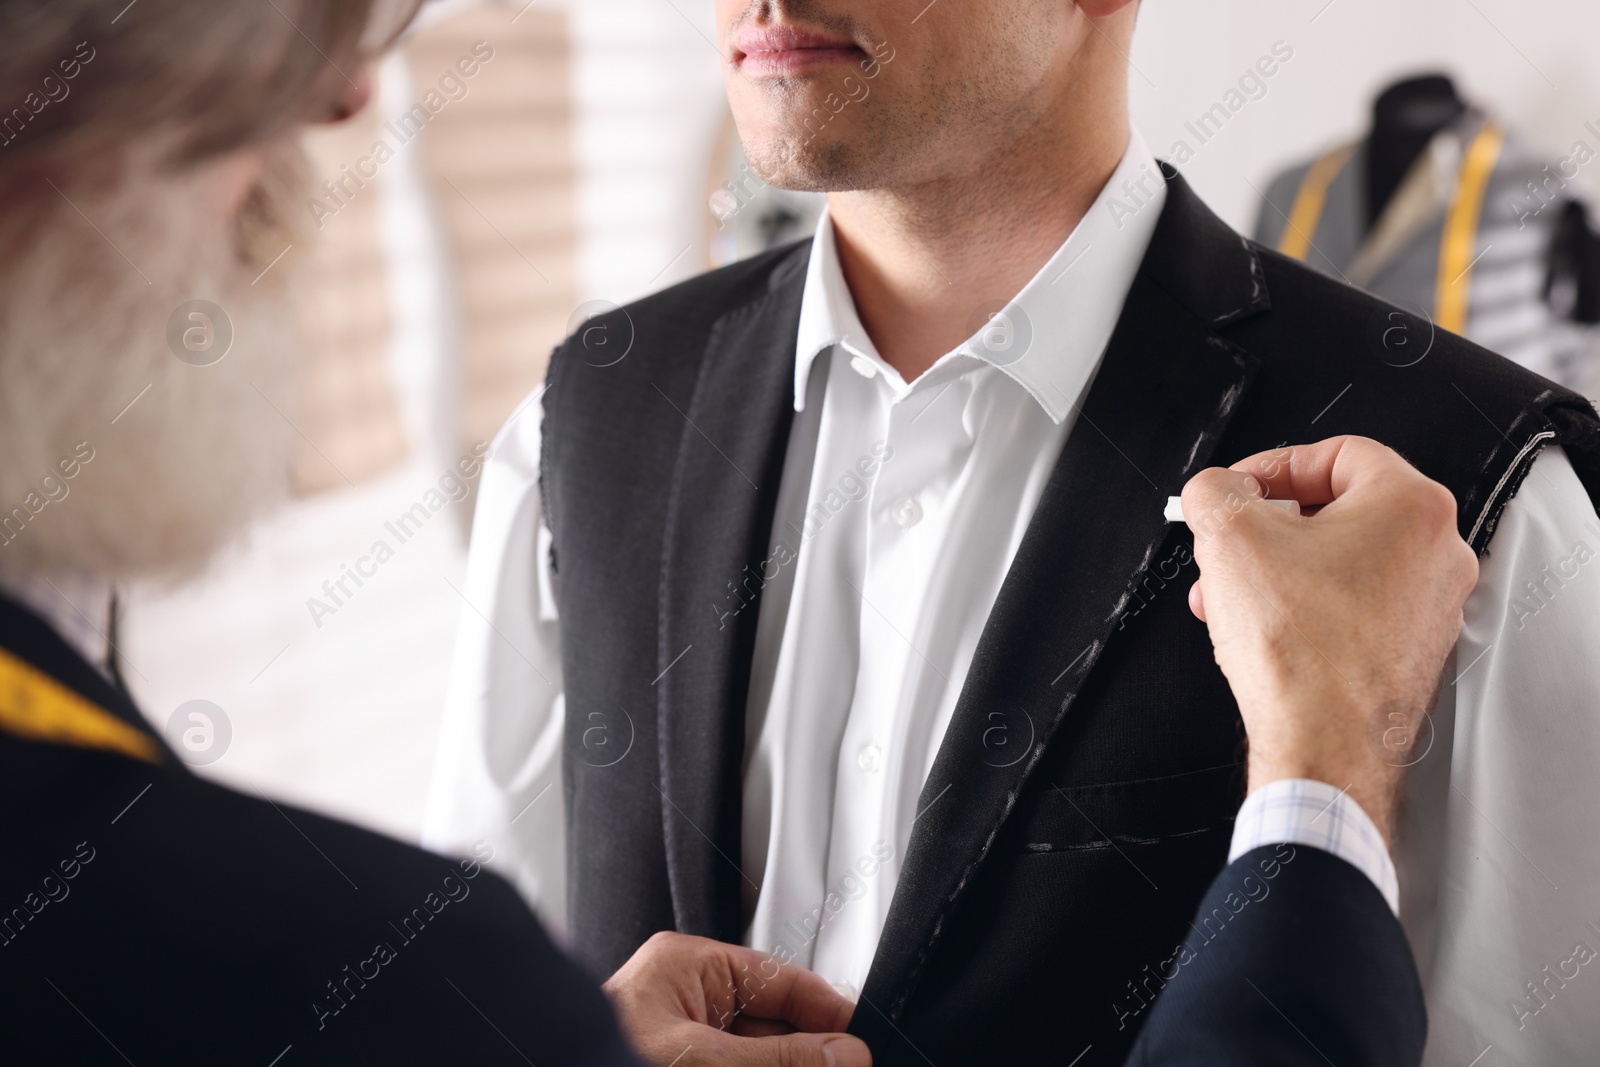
x,y
149,916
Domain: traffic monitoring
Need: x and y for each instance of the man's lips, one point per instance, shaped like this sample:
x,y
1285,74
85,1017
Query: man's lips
x,y
783,50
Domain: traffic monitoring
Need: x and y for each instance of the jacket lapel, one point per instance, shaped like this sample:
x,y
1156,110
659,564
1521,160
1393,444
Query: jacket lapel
x,y
719,521
1165,392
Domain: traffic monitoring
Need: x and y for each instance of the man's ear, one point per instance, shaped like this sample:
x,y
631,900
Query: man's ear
x,y
1099,9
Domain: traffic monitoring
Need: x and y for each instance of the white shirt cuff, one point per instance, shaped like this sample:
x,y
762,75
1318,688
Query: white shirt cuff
x,y
1301,811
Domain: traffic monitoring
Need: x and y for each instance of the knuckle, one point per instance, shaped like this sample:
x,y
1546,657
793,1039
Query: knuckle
x,y
1435,507
664,941
1375,450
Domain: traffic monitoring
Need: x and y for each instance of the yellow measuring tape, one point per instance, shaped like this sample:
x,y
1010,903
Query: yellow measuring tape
x,y
36,707
1456,249
1309,202
1456,255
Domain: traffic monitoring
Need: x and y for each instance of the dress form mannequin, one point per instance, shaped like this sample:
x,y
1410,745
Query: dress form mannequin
x,y
1405,117
1437,192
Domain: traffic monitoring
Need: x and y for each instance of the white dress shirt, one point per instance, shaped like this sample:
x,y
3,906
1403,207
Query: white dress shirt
x,y
863,644
892,589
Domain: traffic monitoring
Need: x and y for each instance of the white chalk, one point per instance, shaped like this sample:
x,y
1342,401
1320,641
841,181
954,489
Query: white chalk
x,y
1174,512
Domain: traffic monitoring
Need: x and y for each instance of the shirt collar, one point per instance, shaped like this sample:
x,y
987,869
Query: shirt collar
x,y
1050,336
77,607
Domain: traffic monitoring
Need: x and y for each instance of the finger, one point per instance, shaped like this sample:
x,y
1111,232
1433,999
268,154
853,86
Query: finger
x,y
713,1048
766,988
749,1026
821,1050
1323,471
1197,603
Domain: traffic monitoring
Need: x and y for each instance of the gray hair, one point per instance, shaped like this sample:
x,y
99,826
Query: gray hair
x,y
80,82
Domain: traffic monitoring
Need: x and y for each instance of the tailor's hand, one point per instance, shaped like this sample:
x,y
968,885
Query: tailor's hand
x,y
698,1003
1328,622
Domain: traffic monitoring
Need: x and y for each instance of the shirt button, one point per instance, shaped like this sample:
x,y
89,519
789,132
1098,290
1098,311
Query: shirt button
x,y
906,513
863,366
870,758
845,990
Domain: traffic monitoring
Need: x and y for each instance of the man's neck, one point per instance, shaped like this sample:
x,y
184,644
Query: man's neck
x,y
926,264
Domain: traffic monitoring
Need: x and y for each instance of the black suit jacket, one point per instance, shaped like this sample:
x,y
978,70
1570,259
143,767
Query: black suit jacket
x,y
1039,885
1295,959
148,916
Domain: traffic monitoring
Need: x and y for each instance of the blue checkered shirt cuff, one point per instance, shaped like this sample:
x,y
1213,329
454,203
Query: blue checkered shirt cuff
x,y
1300,811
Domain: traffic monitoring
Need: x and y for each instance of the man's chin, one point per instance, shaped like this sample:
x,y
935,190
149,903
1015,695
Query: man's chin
x,y
804,163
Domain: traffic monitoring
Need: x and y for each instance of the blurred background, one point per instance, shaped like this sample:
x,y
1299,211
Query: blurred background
x,y
590,158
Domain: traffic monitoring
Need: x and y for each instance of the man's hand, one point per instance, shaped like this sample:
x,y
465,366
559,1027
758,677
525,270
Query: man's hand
x,y
1328,623
698,1003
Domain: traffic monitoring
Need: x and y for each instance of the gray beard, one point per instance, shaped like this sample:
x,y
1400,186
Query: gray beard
x,y
117,458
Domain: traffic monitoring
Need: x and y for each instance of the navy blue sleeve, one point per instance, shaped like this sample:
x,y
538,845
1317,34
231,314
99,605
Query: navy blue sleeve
x,y
1294,959
160,918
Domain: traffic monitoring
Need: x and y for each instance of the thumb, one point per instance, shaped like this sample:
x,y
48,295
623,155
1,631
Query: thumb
x,y
817,1050
1213,499
788,1050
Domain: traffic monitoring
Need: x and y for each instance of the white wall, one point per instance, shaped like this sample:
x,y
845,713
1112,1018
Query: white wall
x,y
1501,53
648,89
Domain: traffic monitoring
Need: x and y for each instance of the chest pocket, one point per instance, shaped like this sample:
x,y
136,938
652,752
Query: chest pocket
x,y
1144,811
